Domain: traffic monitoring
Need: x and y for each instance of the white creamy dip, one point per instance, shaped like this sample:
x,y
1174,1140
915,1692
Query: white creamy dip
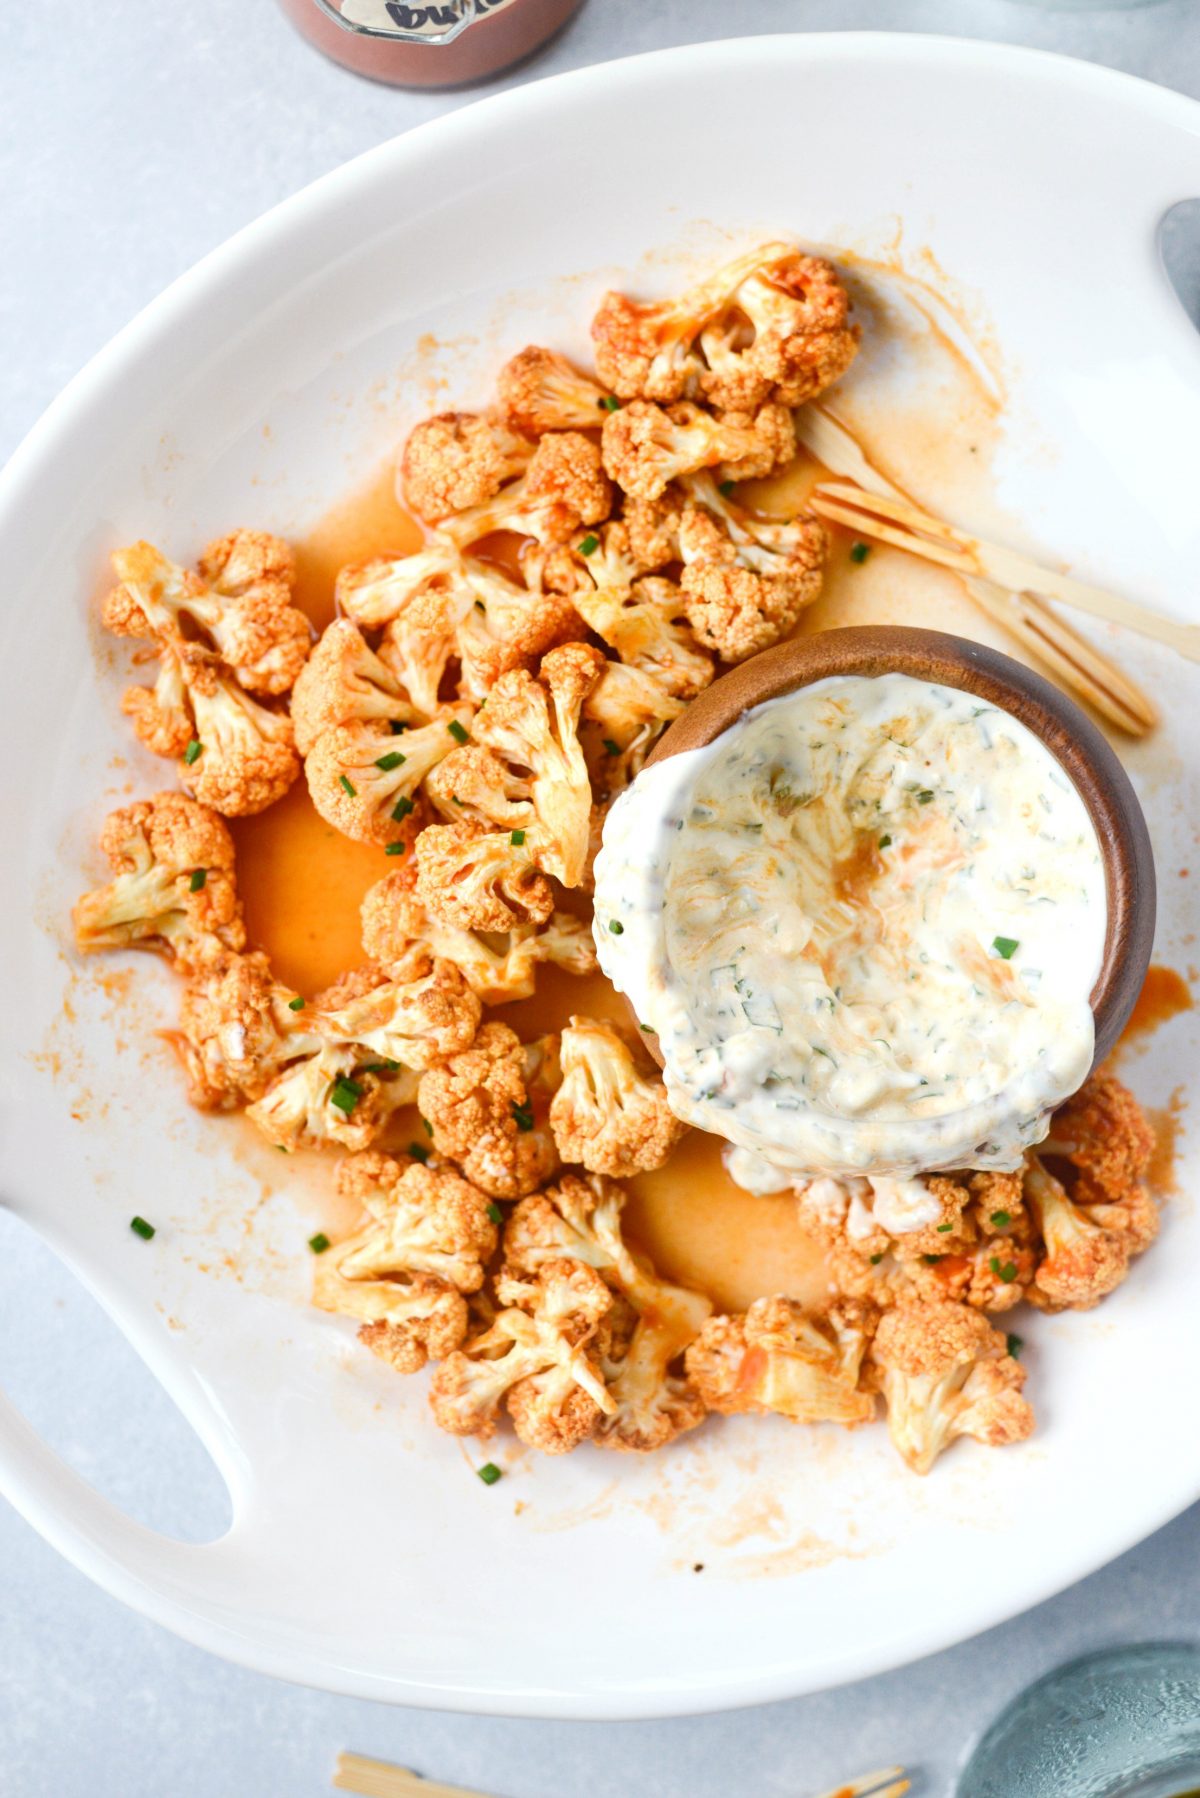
x,y
865,924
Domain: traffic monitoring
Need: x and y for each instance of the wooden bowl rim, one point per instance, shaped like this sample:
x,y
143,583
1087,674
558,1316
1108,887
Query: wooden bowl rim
x,y
1076,743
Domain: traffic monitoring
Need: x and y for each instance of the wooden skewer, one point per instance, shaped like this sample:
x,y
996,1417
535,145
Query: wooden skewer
x,y
941,542
871,1785
1076,662
380,1779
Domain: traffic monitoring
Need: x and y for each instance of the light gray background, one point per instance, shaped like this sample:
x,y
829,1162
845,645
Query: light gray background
x,y
134,137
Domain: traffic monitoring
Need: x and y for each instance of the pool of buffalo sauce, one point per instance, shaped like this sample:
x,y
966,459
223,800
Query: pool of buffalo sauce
x,y
302,884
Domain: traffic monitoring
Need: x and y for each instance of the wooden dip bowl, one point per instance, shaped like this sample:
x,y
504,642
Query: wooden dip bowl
x,y
1067,732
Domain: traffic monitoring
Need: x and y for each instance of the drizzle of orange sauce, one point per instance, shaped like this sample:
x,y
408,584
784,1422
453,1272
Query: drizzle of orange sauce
x,y
1167,1123
1164,995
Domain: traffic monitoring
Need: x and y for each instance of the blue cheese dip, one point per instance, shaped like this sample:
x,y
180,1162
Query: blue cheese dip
x,y
865,924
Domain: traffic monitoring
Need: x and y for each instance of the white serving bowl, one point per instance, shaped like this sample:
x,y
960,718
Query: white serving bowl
x,y
363,1555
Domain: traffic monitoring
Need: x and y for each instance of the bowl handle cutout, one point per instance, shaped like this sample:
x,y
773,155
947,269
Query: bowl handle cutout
x,y
1179,248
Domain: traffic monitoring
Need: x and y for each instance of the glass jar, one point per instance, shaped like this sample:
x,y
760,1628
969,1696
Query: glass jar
x,y
1121,1724
443,44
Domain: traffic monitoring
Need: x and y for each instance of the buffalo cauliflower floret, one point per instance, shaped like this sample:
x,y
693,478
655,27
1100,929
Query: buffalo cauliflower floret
x,y
786,334
473,783
563,488
541,391
945,1372
345,682
774,431
487,1109
581,1218
241,602
507,627
646,448
498,967
324,1096
610,1114
471,878
408,1322
1087,1247
649,349
377,592
628,711
364,781
533,724
456,460
652,529
779,1357
245,757
746,581
423,1220
537,1355
232,1031
1103,1133
643,619
173,888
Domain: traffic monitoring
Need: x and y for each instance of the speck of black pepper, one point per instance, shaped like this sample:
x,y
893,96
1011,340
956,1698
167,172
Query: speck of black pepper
x,y
699,1567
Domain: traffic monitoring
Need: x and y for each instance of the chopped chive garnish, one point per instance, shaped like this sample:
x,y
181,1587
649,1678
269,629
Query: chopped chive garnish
x,y
1005,946
523,1116
419,1152
925,795
1015,1344
649,1029
393,759
193,751
589,545
610,403
517,838
196,883
617,928
427,1126
394,848
495,1215
345,1094
1001,1219
401,809
942,1229
381,1067
1006,1271
875,1260
480,607
141,1228
489,1473
395,726
726,488
610,747
885,842
859,552
296,1004
318,1243
930,1259
283,1148
458,731
347,785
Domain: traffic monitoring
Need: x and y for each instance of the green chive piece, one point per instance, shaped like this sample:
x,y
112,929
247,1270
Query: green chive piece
x,y
345,1094
458,731
428,1127
617,928
943,1229
393,759
1015,1344
875,1260
495,1215
196,883
1001,1219
610,403
401,809
141,1228
194,751
517,838
419,1152
885,842
347,785
859,552
611,748
395,726
930,1259
925,795
725,488
318,1243
523,1117
296,1004
489,1473
1005,946
394,848
1006,1271
589,545
480,607
649,1029
381,1067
